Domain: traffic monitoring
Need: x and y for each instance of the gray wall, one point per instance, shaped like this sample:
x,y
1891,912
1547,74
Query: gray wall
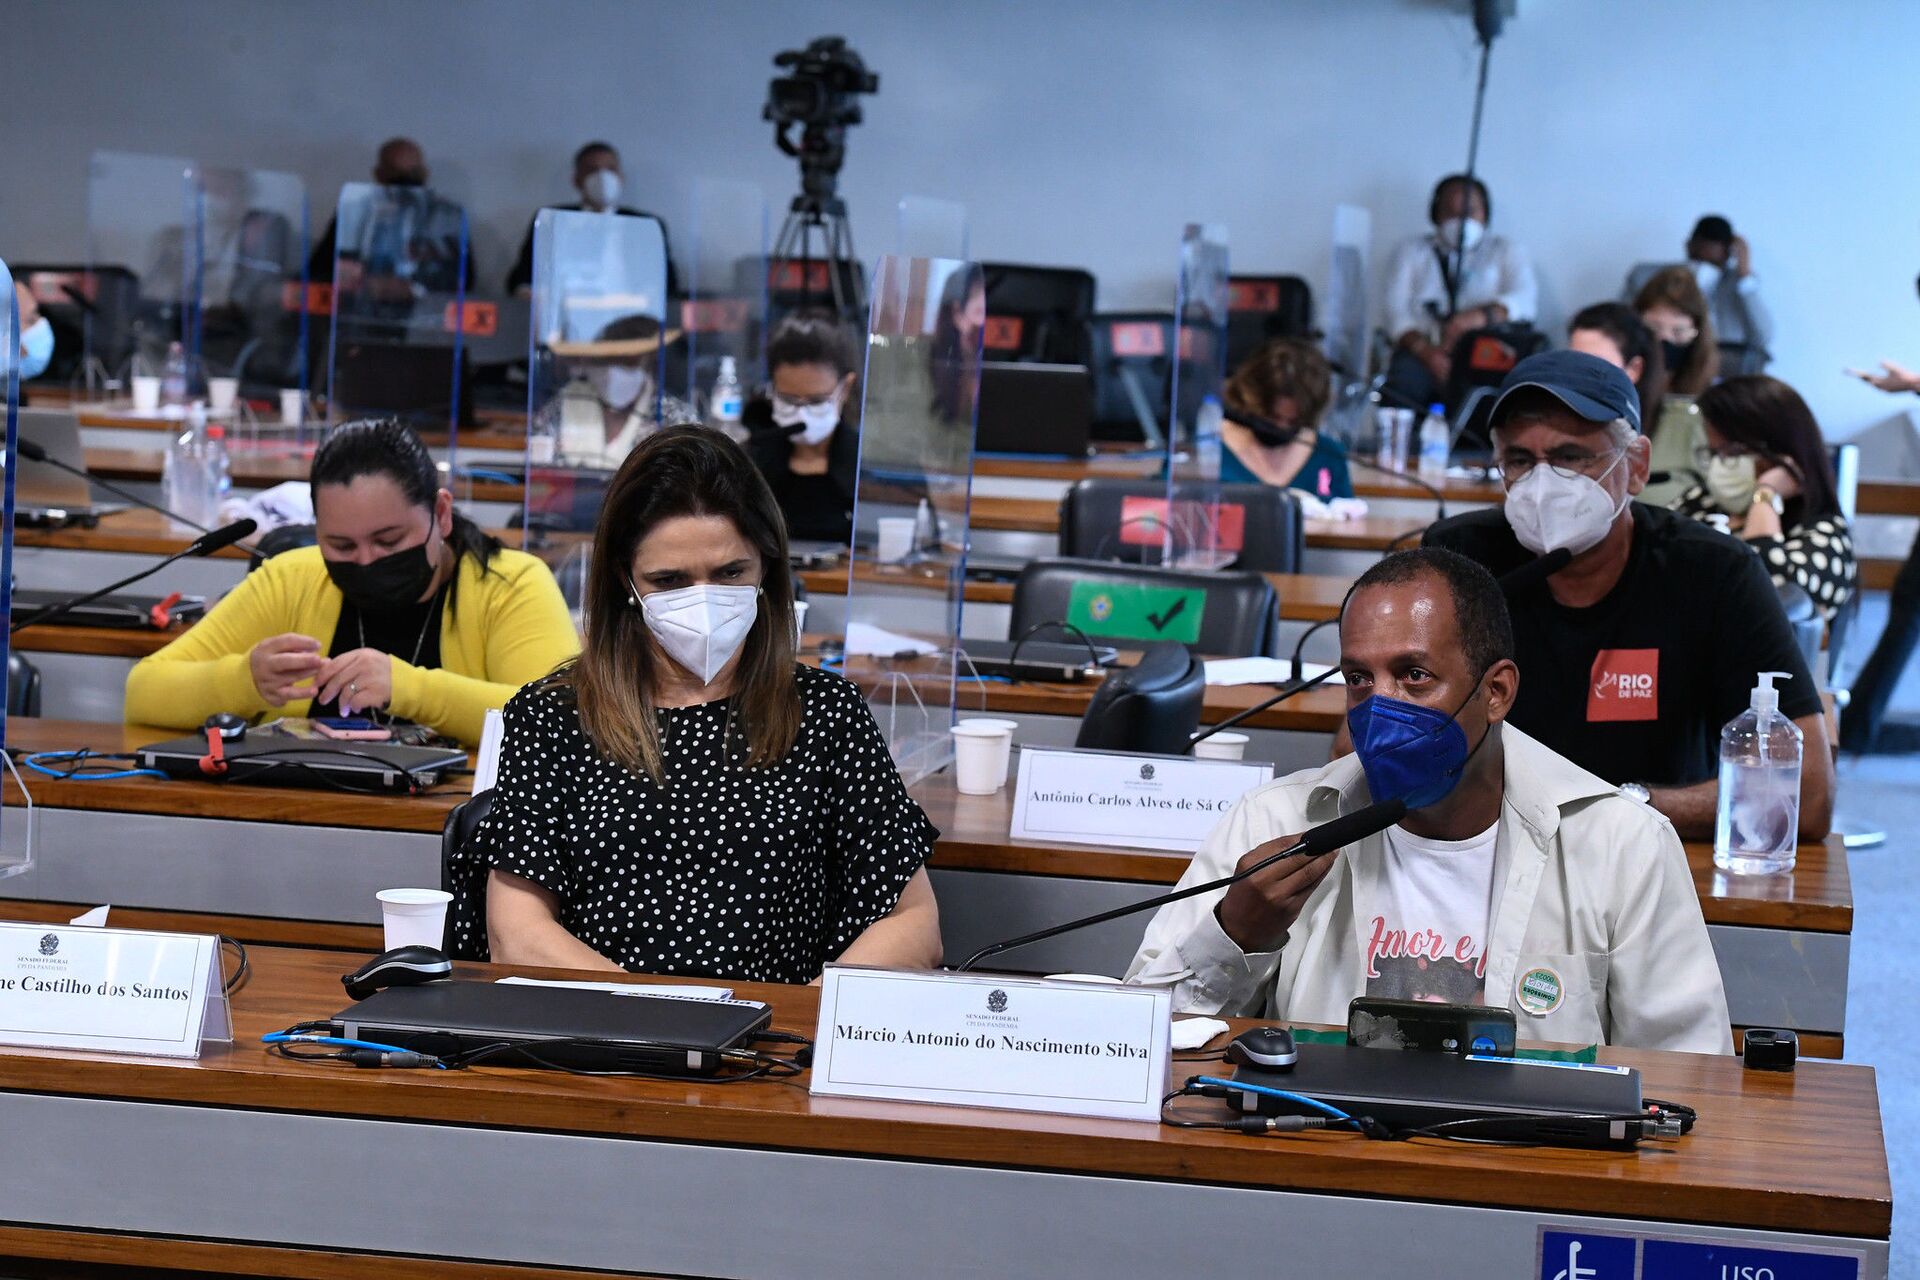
x,y
1077,131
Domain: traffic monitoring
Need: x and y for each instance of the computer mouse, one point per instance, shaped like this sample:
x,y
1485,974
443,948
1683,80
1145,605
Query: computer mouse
x,y
230,727
1269,1047
400,967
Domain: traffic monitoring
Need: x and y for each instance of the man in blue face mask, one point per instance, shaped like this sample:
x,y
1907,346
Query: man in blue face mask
x,y
1515,879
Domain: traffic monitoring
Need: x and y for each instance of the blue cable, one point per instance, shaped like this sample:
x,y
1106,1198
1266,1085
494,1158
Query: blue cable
x,y
33,762
303,1037
1299,1099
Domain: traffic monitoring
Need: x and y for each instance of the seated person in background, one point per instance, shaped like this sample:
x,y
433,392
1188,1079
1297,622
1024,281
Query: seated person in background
x,y
597,177
36,335
803,433
1768,471
1513,870
401,163
1723,268
1495,285
1287,382
1612,331
405,607
686,798
612,399
1672,306
1639,651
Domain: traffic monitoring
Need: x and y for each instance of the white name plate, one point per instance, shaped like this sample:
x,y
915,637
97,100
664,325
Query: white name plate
x,y
976,1041
110,990
1139,801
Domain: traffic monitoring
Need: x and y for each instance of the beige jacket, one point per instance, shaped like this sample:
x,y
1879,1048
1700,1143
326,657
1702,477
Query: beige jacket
x,y
1596,934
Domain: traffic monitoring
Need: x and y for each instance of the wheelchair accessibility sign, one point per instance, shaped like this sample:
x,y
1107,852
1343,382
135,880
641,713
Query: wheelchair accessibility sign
x,y
1580,1255
1565,1255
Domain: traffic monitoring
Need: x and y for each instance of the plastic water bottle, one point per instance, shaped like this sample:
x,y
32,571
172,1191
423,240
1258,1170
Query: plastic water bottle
x,y
173,383
183,473
926,535
1435,437
219,471
543,439
1756,830
724,405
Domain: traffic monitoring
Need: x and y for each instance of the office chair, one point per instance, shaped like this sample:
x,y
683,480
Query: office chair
x,y
465,879
288,537
23,686
91,311
1262,308
791,288
1481,358
1132,366
1151,706
1124,520
1238,610
1038,314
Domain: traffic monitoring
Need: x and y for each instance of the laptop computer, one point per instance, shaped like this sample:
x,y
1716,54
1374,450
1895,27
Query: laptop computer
x,y
284,760
563,1026
1064,663
1035,409
111,611
412,383
44,493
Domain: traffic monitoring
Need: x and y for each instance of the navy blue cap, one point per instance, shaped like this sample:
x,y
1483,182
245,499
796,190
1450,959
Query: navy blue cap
x,y
1589,386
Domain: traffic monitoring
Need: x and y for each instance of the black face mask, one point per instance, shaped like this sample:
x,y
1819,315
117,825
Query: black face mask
x,y
1273,434
398,579
1675,354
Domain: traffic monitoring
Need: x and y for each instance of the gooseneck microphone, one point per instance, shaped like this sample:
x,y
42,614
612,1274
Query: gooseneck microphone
x,y
204,545
33,452
1325,838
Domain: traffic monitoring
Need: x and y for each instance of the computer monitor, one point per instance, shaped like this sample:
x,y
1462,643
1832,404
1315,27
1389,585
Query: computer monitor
x,y
1152,706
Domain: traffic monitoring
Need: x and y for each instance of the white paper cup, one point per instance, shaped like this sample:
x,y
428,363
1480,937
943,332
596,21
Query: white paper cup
x,y
977,767
1221,746
221,393
146,394
414,917
1006,743
293,407
800,608
896,539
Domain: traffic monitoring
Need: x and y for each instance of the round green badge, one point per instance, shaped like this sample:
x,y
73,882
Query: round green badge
x,y
1540,991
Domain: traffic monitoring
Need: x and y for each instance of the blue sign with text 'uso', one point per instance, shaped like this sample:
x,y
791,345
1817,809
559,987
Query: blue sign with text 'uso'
x,y
1699,1260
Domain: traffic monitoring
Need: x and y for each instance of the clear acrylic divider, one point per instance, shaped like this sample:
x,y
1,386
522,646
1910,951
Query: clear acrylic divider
x,y
256,315
1349,338
926,227
725,311
399,300
16,834
596,364
907,570
143,257
1200,533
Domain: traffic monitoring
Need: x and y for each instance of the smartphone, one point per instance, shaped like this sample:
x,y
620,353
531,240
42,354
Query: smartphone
x,y
351,729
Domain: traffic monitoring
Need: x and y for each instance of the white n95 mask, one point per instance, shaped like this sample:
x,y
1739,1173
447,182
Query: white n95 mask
x,y
1731,482
702,627
1462,233
810,423
1548,510
602,189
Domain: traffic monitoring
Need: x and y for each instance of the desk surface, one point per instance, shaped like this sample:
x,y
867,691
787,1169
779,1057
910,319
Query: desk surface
x,y
1792,1152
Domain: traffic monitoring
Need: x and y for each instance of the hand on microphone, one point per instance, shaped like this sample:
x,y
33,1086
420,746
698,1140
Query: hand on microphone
x,y
1257,912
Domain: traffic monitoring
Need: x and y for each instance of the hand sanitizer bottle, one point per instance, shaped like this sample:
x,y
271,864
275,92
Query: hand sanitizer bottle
x,y
1757,828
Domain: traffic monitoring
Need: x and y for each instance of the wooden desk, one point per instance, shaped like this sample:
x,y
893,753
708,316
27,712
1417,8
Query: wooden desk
x,y
1783,942
130,532
252,469
508,1166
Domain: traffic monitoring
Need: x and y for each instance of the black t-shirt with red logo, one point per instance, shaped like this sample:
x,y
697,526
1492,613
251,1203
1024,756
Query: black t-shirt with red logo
x,y
1637,687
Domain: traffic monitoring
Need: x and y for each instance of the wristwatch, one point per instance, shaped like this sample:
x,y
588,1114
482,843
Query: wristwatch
x,y
1636,791
1766,494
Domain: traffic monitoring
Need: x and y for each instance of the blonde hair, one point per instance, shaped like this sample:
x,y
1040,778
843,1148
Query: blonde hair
x,y
1675,287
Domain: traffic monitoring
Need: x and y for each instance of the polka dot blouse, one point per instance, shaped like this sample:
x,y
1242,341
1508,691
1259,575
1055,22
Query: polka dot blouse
x,y
1818,557
757,874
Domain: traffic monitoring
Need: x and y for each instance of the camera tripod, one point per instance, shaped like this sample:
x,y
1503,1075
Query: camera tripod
x,y
824,217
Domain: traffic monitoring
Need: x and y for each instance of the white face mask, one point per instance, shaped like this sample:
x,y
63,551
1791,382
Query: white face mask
x,y
602,188
1706,275
1548,510
814,422
1732,481
1462,232
36,349
619,386
702,627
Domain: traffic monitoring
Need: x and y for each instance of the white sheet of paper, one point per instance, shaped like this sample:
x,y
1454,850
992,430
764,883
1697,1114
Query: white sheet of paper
x,y
486,761
866,640
1276,671
96,918
627,988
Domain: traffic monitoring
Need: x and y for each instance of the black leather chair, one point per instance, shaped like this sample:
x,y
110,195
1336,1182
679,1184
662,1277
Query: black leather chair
x,y
288,537
1038,314
466,880
1273,530
1480,360
1132,368
1153,705
1239,618
1262,308
23,686
790,288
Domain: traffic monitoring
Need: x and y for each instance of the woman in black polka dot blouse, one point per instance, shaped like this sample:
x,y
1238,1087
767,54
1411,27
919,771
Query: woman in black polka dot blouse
x,y
1766,468
685,798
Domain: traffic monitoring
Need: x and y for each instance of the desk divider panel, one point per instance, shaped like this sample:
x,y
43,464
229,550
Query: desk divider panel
x,y
725,310
927,227
143,216
254,317
1348,334
15,856
1199,534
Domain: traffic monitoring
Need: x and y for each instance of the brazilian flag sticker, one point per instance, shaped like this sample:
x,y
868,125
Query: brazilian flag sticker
x,y
1137,611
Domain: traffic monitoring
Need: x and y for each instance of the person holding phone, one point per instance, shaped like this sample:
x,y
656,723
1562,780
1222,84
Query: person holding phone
x,y
405,610
685,797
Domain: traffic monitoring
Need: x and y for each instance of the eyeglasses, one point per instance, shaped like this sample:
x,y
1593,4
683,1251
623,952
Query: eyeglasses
x,y
1704,455
1567,462
810,403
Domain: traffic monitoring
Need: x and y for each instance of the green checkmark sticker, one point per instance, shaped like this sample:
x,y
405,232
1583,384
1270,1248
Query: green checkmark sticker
x,y
1136,611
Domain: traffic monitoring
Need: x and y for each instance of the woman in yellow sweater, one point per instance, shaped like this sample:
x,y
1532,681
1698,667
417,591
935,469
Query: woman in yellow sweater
x,y
405,607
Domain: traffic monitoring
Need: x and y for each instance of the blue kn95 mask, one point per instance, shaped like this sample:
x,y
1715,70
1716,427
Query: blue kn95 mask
x,y
1408,751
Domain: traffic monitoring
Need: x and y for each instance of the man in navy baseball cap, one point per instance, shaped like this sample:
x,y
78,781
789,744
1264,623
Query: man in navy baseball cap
x,y
1647,640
